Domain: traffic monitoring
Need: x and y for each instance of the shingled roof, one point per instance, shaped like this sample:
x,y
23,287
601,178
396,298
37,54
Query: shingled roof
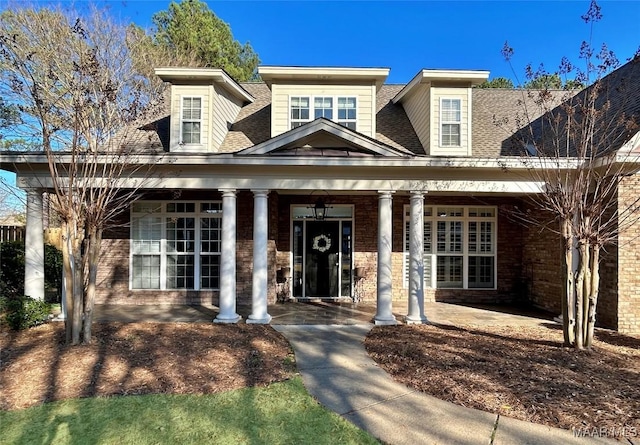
x,y
612,101
253,124
497,115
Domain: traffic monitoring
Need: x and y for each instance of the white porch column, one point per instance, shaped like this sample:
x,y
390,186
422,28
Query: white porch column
x,y
259,312
384,313
228,260
34,247
416,260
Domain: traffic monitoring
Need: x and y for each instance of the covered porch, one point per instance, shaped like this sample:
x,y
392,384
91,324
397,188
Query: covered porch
x,y
330,313
235,229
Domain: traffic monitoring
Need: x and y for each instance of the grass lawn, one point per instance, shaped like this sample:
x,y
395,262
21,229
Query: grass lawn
x,y
279,413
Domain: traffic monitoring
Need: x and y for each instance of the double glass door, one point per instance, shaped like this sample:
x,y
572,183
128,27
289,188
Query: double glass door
x,y
322,259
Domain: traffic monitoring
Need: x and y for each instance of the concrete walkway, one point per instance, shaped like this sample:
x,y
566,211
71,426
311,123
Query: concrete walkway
x,y
327,340
338,372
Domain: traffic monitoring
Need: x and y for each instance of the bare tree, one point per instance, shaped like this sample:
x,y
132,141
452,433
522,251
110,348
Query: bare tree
x,y
81,98
579,148
10,204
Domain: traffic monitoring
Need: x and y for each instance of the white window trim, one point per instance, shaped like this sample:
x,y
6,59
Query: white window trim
x,y
303,121
337,109
465,218
333,106
183,120
312,98
163,214
443,122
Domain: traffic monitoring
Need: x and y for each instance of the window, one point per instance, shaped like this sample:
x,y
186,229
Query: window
x,y
176,245
323,107
191,120
462,254
299,111
450,119
347,112
342,110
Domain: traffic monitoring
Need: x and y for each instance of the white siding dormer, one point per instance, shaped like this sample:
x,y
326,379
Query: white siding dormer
x,y
204,103
204,131
344,95
225,110
438,104
350,105
450,122
190,118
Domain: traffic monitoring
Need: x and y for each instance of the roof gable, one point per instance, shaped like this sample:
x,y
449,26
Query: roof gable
x,y
323,137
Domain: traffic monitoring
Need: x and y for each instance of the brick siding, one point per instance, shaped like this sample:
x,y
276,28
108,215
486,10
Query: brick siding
x,y
628,267
528,259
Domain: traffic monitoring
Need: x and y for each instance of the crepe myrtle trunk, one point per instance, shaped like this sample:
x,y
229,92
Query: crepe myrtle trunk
x,y
93,248
68,279
588,287
78,289
74,281
581,293
581,290
568,297
593,297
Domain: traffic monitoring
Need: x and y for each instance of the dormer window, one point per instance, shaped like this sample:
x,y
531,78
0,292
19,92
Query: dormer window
x,y
450,120
347,112
299,111
342,110
191,120
323,107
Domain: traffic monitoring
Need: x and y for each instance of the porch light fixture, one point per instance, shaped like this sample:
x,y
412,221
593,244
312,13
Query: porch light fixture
x,y
320,208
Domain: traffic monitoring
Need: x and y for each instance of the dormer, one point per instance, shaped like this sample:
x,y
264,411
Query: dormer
x,y
204,104
344,95
438,104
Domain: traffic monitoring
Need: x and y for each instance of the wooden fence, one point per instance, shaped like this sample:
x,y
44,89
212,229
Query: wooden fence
x,y
11,233
52,236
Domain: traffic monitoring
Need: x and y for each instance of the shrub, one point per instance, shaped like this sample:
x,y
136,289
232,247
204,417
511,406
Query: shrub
x,y
25,312
12,270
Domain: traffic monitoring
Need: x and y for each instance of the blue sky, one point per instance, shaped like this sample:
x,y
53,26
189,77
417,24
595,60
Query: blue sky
x,y
409,36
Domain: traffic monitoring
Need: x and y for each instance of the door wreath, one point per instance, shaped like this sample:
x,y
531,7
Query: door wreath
x,y
321,243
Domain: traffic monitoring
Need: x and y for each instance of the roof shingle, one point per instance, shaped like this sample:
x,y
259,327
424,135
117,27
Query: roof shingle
x,y
497,114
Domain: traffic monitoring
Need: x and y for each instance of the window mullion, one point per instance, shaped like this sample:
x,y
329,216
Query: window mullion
x,y
465,251
197,227
163,249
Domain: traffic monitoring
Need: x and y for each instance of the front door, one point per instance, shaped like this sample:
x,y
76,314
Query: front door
x,y
322,254
322,263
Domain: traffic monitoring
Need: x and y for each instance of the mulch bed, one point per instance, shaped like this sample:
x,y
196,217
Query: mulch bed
x,y
519,372
139,358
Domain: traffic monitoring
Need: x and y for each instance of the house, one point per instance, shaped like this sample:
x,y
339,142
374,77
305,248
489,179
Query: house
x,y
330,183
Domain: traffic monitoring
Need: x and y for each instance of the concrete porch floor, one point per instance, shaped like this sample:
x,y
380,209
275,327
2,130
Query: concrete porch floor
x,y
327,313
